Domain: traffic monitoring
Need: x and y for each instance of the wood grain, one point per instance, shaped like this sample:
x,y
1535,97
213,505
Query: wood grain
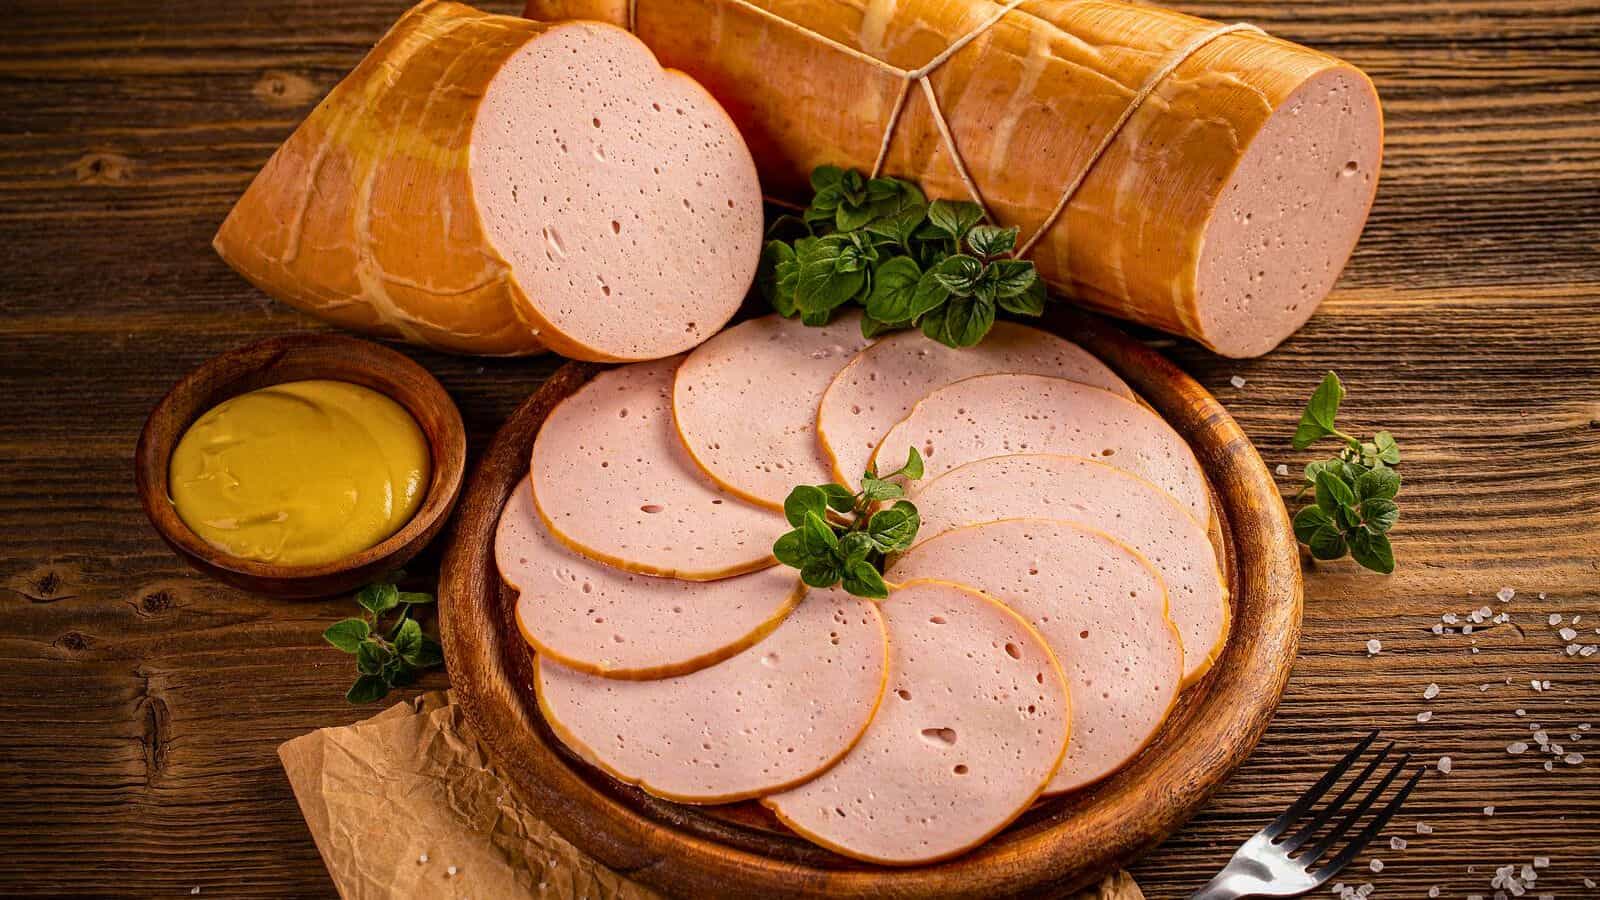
x,y
143,703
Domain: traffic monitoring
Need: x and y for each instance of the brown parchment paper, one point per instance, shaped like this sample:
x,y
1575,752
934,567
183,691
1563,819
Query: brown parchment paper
x,y
394,802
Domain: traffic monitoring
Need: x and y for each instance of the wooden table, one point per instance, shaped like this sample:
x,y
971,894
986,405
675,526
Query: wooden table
x,y
141,704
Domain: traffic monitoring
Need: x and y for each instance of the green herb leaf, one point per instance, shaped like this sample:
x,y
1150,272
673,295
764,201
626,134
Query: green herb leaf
x,y
1028,303
913,467
367,689
959,274
818,536
862,579
415,598
894,288
831,272
408,641
1333,492
378,598
429,655
961,322
1317,420
954,218
876,489
1372,551
1013,277
790,550
991,240
1379,515
802,500
894,529
1388,450
855,547
1310,520
776,275
347,635
1382,483
371,657
1327,543
824,177
839,497
820,573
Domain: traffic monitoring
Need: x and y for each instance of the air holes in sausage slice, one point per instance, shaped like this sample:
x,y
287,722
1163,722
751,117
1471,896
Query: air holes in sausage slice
x,y
972,727
1091,493
762,721
998,415
746,403
612,481
1101,609
881,385
604,620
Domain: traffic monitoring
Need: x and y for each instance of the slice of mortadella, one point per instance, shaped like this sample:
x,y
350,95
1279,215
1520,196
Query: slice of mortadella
x,y
972,727
1091,493
881,385
612,481
1103,612
763,721
603,620
746,403
999,415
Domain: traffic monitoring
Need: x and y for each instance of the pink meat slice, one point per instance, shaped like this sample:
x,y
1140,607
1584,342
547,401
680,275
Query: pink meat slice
x,y
612,481
972,727
881,385
1100,608
746,403
600,619
762,721
1000,415
1091,493
621,194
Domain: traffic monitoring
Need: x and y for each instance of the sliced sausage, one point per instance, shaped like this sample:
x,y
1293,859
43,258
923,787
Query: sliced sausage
x,y
762,721
881,385
1101,609
971,729
488,184
1091,493
603,620
746,403
998,415
612,481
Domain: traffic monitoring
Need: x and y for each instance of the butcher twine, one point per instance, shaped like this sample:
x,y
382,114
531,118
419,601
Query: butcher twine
x,y
920,75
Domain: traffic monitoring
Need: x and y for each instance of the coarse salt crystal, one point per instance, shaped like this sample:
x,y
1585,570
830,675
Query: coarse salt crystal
x,y
1572,649
1424,828
1590,883
1431,691
1541,595
1424,716
1449,618
1528,874
1437,628
1376,865
1555,619
1545,684
1505,594
1433,891
1541,862
450,871
1475,650
1237,382
422,858
1549,766
1397,843
1444,764
1541,736
1572,759
1584,726
1568,634
1484,612
1589,650
1517,747
1488,810
1374,646
1282,469
1466,629
1536,685
1522,712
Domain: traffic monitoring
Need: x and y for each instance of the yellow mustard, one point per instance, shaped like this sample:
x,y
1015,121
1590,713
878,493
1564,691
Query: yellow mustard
x,y
300,473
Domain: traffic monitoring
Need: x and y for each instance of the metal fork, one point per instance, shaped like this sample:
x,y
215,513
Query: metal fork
x,y
1271,865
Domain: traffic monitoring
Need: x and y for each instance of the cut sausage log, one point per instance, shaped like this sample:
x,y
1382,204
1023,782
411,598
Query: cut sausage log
x,y
762,721
999,415
488,184
746,403
612,481
971,729
1090,493
599,619
1101,609
879,387
1222,209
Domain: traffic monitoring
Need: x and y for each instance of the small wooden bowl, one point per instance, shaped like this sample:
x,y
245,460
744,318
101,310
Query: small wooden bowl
x,y
297,358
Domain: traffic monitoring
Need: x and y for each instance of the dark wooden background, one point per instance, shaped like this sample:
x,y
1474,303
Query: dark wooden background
x,y
141,705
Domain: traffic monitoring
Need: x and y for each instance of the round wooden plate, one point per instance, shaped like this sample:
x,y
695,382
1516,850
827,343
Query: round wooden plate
x,y
740,850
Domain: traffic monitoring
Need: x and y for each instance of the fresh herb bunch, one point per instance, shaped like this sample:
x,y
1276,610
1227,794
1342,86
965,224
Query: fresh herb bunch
x,y
389,656
880,244
1354,490
841,537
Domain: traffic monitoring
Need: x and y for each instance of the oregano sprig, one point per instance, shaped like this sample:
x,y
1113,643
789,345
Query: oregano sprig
x,y
879,244
1353,491
841,537
387,656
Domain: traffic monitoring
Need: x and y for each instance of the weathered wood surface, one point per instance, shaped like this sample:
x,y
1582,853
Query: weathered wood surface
x,y
142,704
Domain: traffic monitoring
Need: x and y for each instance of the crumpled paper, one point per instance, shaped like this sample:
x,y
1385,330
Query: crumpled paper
x,y
407,804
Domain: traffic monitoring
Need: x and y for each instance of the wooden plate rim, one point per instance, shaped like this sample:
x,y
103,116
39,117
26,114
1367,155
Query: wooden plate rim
x,y
1058,846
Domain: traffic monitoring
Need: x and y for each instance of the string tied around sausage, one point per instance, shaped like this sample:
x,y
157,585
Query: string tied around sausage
x,y
922,76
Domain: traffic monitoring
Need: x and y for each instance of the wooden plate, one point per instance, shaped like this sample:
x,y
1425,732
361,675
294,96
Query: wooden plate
x,y
739,850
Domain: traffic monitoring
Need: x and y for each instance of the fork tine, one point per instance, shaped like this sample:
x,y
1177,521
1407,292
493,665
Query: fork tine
x,y
1345,824
1315,792
1360,841
1328,812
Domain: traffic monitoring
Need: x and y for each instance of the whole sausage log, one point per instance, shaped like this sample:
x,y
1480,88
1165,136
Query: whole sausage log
x,y
1235,177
